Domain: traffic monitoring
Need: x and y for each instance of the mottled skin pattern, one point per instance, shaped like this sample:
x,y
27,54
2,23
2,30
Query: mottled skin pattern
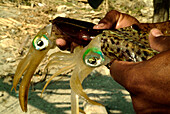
x,y
126,44
131,45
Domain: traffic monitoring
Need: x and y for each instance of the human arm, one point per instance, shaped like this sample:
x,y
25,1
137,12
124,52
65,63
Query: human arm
x,y
149,81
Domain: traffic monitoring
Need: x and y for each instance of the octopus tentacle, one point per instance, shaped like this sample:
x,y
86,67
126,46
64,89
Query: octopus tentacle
x,y
57,73
70,58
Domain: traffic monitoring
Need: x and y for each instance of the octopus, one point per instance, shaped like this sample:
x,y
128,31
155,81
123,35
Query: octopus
x,y
97,47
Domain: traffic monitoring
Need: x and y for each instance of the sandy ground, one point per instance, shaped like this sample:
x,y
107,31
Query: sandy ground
x,y
17,28
56,98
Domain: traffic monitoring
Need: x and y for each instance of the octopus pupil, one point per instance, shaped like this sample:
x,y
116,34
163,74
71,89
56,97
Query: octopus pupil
x,y
40,43
92,61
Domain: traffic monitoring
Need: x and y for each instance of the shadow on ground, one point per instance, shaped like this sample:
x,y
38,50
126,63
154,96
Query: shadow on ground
x,y
56,98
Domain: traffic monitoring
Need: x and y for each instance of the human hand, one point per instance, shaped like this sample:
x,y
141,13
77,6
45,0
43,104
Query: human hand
x,y
64,44
158,41
147,81
115,20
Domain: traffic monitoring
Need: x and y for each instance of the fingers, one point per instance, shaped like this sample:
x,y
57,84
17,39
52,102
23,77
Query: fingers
x,y
156,32
73,46
60,42
100,26
115,20
158,41
110,19
63,44
125,20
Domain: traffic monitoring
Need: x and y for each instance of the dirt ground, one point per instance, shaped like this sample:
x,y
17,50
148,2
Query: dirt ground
x,y
18,25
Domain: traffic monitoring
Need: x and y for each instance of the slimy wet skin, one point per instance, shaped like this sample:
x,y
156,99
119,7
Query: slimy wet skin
x,y
41,44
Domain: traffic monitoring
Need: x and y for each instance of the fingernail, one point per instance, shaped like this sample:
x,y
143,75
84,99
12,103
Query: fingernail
x,y
156,32
101,24
95,27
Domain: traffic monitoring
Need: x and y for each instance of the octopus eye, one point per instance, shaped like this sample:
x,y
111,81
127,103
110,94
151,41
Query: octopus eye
x,y
40,42
93,57
92,60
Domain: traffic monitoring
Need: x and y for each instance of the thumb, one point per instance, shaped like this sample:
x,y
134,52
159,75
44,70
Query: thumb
x,y
101,26
158,41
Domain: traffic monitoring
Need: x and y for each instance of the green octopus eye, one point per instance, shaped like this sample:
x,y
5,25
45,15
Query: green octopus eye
x,y
93,57
40,42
